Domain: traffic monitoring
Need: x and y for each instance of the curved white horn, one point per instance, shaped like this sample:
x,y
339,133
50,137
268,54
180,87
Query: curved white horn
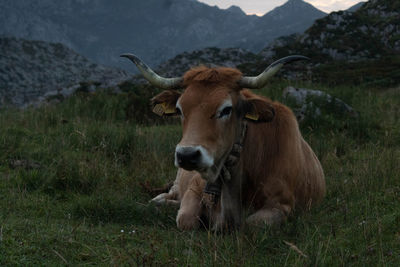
x,y
260,80
151,76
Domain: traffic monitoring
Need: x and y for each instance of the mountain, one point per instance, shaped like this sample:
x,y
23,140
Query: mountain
x,y
360,47
295,16
31,69
356,7
371,32
155,30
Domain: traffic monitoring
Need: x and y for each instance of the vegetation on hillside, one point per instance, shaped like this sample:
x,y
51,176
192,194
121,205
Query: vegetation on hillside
x,y
74,181
381,73
371,32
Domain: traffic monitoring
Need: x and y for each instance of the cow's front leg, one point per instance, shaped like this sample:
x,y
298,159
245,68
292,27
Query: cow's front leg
x,y
188,217
173,196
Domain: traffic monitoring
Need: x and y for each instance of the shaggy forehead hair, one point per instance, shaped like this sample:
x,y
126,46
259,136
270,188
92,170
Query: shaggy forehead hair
x,y
221,75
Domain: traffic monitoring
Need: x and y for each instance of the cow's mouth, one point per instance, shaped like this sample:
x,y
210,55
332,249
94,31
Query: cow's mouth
x,y
211,174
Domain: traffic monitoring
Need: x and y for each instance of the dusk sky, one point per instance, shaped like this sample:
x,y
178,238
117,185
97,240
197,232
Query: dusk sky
x,y
260,7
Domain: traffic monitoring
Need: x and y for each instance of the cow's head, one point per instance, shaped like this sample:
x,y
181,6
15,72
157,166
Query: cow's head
x,y
212,109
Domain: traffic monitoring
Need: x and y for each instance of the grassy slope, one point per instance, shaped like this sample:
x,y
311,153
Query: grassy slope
x,y
93,160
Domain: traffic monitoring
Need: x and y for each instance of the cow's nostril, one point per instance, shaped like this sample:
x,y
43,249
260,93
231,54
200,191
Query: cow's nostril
x,y
194,156
179,157
188,158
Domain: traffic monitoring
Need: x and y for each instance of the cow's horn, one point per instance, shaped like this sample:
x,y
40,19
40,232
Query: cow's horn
x,y
151,76
260,80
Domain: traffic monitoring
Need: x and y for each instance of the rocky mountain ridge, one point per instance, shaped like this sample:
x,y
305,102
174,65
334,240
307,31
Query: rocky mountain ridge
x,y
31,69
300,13
359,47
155,30
370,32
356,7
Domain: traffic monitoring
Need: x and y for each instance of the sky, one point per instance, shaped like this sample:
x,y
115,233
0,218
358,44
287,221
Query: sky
x,y
260,7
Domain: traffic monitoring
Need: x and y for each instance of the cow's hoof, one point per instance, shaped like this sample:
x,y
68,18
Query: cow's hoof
x,y
186,221
160,199
266,217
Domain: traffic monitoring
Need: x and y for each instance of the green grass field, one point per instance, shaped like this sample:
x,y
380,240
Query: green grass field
x,y
72,176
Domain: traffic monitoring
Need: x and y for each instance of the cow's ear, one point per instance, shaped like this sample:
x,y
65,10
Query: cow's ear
x,y
164,104
258,110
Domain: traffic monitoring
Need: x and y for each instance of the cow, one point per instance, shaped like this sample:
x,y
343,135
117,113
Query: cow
x,y
239,151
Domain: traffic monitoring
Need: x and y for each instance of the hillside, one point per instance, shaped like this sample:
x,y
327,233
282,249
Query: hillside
x,y
356,7
295,16
228,57
360,47
371,32
30,69
156,30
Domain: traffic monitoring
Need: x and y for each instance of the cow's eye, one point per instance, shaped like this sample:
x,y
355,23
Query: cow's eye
x,y
225,112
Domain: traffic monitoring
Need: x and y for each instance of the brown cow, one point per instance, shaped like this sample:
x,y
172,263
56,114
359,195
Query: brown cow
x,y
246,148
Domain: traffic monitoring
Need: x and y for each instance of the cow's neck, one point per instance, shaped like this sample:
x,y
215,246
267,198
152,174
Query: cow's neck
x,y
229,172
227,188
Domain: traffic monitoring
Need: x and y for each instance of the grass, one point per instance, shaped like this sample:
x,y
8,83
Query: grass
x,y
72,175
381,73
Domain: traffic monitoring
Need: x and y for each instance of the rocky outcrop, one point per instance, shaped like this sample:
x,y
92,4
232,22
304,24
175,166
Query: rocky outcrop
x,y
32,69
310,104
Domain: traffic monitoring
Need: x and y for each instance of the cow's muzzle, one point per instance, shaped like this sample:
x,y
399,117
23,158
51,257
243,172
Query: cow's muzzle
x,y
193,158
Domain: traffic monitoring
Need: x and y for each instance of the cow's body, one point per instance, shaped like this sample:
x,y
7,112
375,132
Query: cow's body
x,y
275,171
279,172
